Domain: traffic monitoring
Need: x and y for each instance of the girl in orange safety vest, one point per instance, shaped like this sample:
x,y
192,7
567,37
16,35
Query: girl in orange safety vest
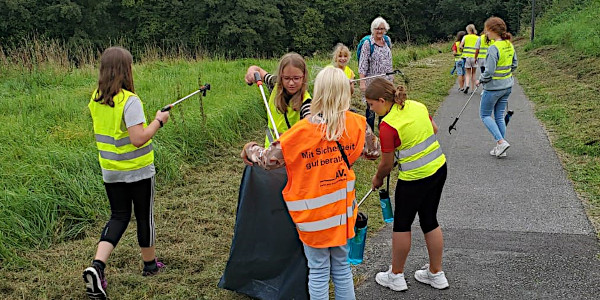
x,y
318,153
408,129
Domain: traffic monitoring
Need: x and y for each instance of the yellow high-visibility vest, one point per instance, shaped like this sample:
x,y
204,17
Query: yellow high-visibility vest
x,y
506,52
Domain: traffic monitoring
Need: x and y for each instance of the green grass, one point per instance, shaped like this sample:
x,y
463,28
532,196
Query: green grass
x,y
568,104
571,24
52,188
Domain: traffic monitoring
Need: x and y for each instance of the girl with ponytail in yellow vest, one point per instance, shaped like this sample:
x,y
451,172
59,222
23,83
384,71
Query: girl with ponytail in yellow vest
x,y
289,100
408,129
497,80
467,45
318,153
126,158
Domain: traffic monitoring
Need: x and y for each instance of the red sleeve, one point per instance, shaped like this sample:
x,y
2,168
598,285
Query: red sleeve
x,y
454,47
388,136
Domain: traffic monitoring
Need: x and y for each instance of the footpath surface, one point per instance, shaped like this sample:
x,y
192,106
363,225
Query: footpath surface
x,y
513,227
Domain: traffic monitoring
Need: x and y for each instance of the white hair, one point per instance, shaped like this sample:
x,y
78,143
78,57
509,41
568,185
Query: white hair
x,y
378,21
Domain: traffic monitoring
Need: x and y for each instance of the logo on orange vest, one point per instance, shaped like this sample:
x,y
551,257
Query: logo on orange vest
x,y
315,161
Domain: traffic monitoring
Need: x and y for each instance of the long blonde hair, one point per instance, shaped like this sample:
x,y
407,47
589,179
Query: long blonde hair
x,y
331,101
295,60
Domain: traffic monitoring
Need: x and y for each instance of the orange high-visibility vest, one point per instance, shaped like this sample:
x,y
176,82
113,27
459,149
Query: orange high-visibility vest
x,y
319,193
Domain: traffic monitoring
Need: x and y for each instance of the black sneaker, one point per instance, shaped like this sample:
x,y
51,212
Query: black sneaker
x,y
95,283
151,272
466,90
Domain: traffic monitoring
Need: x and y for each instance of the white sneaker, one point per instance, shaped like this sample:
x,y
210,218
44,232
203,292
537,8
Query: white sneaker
x,y
501,148
493,153
437,280
395,282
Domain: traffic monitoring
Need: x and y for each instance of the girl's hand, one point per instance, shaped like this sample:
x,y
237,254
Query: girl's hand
x,y
163,116
477,82
377,182
249,78
244,155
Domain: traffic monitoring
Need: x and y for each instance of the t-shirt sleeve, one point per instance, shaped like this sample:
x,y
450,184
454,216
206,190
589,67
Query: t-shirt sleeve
x,y
454,47
305,108
388,137
133,113
478,43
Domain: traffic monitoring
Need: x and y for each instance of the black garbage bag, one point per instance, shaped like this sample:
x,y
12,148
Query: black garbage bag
x,y
266,260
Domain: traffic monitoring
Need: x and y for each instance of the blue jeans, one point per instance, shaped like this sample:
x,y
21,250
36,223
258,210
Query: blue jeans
x,y
325,261
496,102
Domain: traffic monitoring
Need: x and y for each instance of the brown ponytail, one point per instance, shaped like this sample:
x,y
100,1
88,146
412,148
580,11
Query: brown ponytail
x,y
383,88
497,25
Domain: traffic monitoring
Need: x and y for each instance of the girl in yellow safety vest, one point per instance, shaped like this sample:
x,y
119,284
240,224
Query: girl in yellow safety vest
x,y
289,100
123,138
341,58
459,61
407,128
497,80
318,153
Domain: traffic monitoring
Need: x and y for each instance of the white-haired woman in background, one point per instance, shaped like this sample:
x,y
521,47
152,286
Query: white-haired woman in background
x,y
375,58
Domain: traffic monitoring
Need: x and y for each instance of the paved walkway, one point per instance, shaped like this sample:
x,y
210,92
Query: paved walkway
x,y
513,227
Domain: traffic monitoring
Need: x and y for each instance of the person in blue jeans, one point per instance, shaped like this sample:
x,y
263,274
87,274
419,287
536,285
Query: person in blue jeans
x,y
497,80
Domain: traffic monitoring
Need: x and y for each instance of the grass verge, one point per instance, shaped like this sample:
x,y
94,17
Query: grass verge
x,y
563,85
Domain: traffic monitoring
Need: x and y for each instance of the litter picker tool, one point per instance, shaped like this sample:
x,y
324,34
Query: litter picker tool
x,y
203,89
262,92
364,198
397,72
453,126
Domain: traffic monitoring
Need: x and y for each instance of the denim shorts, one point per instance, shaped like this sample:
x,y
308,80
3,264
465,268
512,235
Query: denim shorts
x,y
460,67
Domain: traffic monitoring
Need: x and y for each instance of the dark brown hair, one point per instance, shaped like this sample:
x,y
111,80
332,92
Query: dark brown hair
x,y
115,74
383,88
460,35
497,25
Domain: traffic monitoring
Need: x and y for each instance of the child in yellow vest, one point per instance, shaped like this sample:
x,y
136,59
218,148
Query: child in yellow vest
x,y
408,128
341,58
123,138
289,100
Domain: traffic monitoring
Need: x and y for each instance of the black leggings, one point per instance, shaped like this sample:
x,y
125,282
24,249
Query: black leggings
x,y
121,195
419,196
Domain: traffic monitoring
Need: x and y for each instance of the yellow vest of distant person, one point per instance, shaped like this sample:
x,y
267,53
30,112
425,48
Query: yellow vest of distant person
x,y
483,46
469,46
458,54
115,150
420,154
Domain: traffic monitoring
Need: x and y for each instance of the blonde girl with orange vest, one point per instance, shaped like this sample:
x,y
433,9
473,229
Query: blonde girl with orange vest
x,y
318,153
124,141
408,129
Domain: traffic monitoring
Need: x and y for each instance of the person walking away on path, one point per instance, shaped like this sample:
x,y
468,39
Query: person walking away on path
x,y
497,80
375,59
481,47
289,100
124,141
408,128
459,61
467,45
341,58
318,153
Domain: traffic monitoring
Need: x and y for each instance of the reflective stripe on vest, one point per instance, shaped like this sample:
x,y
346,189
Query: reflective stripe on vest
x,y
292,116
319,193
115,150
322,200
458,54
326,223
419,153
506,52
469,45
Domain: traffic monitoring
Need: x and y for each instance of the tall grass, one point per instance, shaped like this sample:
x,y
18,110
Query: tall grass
x,y
51,185
573,24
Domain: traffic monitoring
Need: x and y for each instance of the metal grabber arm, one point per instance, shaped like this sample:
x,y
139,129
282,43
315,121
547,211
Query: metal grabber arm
x,y
203,89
